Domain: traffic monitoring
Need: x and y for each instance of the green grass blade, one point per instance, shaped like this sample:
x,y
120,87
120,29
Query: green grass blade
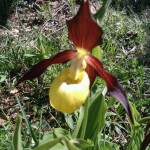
x,y
26,120
8,119
144,120
99,16
16,141
40,126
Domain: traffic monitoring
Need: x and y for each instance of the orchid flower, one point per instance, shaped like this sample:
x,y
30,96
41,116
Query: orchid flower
x,y
71,87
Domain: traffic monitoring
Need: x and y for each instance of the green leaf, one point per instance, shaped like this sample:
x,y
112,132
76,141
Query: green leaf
x,y
80,129
96,118
84,122
69,145
97,52
136,115
56,133
69,120
47,136
106,145
2,78
99,16
60,143
49,141
82,144
136,139
136,130
17,142
111,101
79,123
58,146
48,144
58,139
59,132
29,55
144,120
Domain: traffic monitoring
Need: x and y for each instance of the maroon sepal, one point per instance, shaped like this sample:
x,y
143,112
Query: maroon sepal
x,y
145,142
83,30
40,67
113,85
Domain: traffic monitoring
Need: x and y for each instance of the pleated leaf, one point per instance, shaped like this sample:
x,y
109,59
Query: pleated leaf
x,y
96,118
17,142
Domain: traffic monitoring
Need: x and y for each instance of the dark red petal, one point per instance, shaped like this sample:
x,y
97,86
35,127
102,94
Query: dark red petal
x,y
91,73
83,30
145,142
113,85
40,67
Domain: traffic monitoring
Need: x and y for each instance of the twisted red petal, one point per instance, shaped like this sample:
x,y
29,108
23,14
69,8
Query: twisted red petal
x,y
113,85
40,67
83,30
146,140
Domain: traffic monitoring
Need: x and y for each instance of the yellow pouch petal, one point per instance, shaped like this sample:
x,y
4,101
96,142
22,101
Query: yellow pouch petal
x,y
66,94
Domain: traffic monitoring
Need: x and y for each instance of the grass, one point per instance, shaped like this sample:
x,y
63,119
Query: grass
x,y
128,48
41,33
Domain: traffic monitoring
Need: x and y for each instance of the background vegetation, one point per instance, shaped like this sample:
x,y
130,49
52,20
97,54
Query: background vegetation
x,y
36,30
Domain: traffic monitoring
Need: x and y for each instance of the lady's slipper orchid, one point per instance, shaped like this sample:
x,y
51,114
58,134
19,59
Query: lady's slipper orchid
x,y
71,87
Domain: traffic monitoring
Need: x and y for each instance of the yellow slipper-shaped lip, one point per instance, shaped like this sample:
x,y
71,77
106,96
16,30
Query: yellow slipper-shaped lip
x,y
67,95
